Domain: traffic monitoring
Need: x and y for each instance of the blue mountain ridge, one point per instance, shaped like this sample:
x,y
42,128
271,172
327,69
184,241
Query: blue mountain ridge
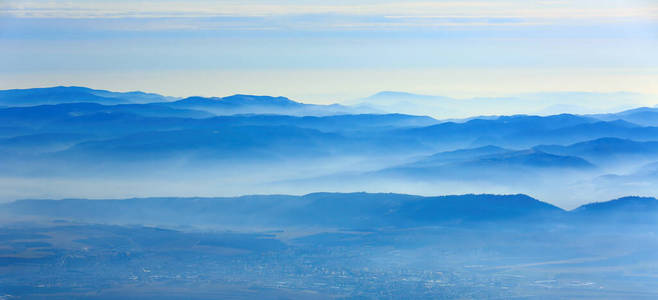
x,y
241,104
277,135
72,94
647,116
331,209
603,147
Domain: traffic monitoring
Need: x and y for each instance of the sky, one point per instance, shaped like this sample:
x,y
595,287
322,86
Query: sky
x,y
331,51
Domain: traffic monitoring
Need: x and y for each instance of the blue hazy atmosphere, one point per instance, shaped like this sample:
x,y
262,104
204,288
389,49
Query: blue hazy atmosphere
x,y
275,149
331,52
341,199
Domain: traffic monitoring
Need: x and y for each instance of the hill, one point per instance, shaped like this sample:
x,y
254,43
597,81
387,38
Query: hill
x,y
73,94
606,149
626,210
646,116
319,209
250,104
486,163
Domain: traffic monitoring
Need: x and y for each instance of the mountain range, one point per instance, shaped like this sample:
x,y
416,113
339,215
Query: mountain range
x,y
151,209
72,94
647,116
338,210
529,103
248,104
280,145
236,104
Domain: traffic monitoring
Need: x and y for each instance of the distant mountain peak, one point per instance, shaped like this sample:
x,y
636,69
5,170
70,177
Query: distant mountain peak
x,y
75,94
199,99
631,203
240,100
401,95
394,93
536,158
258,99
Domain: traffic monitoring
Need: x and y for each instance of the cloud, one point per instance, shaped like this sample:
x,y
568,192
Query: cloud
x,y
540,9
93,9
259,15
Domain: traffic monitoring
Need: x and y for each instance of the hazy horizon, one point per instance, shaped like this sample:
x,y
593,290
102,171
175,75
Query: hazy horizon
x,y
310,149
641,100
325,53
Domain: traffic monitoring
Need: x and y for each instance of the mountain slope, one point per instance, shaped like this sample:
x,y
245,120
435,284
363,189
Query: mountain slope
x,y
531,159
249,104
319,209
527,131
632,204
627,210
646,116
605,149
501,166
41,115
226,143
72,94
338,210
529,103
461,155
121,119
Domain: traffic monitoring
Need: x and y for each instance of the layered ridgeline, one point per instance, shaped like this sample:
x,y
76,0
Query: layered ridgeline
x,y
490,241
63,140
220,106
337,210
71,94
545,103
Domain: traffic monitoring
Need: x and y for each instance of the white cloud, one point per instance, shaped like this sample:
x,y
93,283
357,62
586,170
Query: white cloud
x,y
541,9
